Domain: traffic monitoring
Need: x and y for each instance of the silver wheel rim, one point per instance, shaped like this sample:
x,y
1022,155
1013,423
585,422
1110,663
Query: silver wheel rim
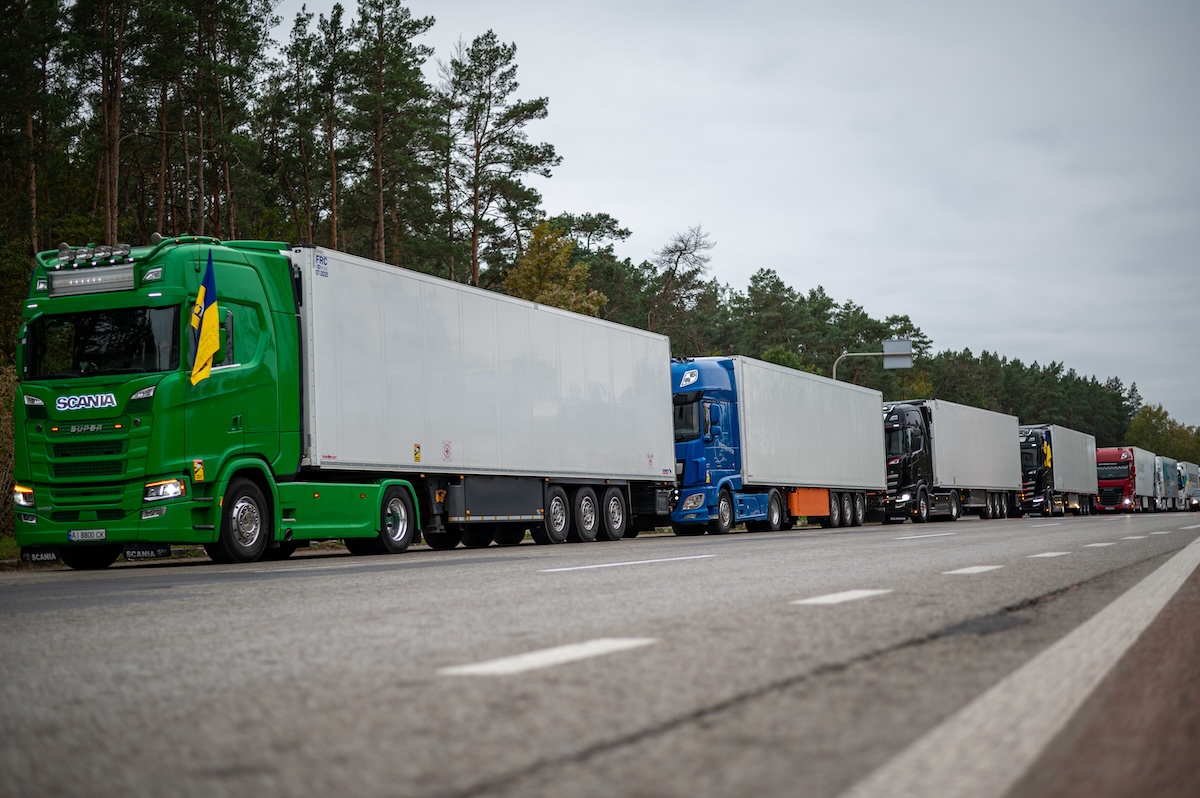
x,y
616,516
725,511
247,525
558,514
587,513
397,520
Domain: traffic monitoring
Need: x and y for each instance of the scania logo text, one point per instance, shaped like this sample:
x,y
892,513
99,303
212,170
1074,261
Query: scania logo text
x,y
87,402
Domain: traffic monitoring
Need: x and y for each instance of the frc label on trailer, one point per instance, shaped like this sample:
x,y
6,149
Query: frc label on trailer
x,y
86,402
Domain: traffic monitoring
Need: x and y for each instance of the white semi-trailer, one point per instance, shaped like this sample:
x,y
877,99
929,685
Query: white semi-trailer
x,y
1058,469
503,414
944,459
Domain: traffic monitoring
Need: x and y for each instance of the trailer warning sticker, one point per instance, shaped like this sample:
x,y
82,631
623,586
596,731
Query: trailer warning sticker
x,y
416,452
447,451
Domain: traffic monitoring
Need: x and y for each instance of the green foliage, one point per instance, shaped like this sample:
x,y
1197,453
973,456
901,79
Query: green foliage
x,y
1153,428
544,274
8,392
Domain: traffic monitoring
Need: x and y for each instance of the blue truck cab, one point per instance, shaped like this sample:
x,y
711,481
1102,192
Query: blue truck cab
x,y
708,463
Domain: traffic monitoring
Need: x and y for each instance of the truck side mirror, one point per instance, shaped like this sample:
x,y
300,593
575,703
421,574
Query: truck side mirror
x,y
714,416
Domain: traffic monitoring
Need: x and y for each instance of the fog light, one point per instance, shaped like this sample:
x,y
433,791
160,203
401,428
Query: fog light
x,y
153,512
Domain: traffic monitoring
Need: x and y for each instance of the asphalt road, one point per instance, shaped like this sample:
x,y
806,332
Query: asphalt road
x,y
660,666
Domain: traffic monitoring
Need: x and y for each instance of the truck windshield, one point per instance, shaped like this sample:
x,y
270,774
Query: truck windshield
x,y
687,421
1029,457
1112,470
93,343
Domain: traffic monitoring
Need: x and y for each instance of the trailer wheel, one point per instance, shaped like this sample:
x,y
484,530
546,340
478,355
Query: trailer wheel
x,y
585,516
395,522
245,522
89,558
444,539
478,536
554,526
509,535
723,523
1002,505
860,510
955,507
922,512
613,519
834,519
847,510
774,512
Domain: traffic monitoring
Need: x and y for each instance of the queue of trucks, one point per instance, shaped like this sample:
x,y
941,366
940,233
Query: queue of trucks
x,y
252,397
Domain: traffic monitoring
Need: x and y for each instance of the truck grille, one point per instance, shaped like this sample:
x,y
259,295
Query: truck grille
x,y
91,494
89,449
72,516
112,468
1110,497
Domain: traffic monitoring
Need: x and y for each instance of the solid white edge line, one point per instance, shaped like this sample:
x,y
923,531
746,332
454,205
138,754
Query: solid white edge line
x,y
631,562
838,598
934,535
985,748
546,657
974,569
1037,526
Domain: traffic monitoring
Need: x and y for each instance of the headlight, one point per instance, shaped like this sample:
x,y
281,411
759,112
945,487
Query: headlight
x,y
904,497
165,489
23,496
693,501
145,393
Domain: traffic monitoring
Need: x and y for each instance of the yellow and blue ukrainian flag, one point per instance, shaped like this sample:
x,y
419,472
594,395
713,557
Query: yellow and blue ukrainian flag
x,y
206,336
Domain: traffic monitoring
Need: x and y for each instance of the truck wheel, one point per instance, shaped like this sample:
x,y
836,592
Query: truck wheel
x,y
723,523
554,526
1002,505
281,552
860,510
612,515
478,536
216,553
922,511
834,519
395,522
509,535
444,540
847,510
245,522
585,515
774,512
89,558
955,507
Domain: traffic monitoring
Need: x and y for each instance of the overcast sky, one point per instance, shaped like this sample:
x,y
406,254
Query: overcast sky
x,y
1019,176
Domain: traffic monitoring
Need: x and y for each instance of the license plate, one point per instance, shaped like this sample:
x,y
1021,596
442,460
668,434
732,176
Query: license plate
x,y
87,534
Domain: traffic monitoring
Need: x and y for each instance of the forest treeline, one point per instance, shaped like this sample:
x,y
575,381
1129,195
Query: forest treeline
x,y
120,118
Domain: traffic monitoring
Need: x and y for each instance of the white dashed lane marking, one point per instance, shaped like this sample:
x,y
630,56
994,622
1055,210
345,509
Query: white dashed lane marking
x,y
1050,554
1097,545
974,569
1134,537
1163,532
1037,526
545,658
838,598
934,535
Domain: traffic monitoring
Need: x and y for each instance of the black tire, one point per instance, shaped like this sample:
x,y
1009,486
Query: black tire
x,y
631,531
834,519
360,546
774,521
1003,513
557,521
860,510
955,507
688,530
585,516
988,511
396,521
847,510
614,519
90,558
509,535
921,515
478,536
245,522
444,540
723,523
216,553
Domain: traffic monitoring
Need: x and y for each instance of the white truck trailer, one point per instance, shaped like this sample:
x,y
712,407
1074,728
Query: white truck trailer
x,y
505,415
1189,483
1058,469
764,445
944,459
